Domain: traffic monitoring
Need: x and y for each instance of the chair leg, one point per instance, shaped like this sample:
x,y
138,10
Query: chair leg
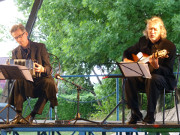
x,y
28,104
164,104
50,111
47,114
176,102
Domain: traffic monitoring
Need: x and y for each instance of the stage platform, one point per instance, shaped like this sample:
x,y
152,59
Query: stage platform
x,y
84,127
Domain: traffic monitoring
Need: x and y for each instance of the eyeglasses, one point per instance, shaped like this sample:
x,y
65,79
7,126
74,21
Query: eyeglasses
x,y
20,36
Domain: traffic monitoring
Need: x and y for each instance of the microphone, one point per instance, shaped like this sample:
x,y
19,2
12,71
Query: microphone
x,y
57,76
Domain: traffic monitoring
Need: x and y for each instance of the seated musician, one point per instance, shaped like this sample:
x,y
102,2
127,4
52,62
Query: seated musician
x,y
43,86
161,69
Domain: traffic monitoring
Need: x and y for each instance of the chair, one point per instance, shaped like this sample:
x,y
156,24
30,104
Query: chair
x,y
165,92
174,93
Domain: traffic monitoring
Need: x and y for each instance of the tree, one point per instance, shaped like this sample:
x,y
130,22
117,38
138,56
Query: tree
x,y
93,32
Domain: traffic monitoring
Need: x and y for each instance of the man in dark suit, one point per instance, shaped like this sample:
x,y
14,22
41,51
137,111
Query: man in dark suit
x,y
161,70
43,86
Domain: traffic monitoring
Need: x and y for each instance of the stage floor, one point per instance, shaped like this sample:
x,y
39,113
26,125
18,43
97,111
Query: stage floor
x,y
86,126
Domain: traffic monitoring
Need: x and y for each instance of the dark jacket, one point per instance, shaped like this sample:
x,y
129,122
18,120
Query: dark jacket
x,y
165,64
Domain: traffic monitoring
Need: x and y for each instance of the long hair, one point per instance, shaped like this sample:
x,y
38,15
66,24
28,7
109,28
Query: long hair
x,y
158,20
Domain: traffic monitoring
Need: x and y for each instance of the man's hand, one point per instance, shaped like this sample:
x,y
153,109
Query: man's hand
x,y
154,62
39,68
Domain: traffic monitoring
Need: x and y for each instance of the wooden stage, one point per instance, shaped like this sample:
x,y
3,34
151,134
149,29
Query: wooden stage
x,y
84,127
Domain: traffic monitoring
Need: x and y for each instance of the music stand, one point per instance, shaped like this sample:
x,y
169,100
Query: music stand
x,y
128,69
11,73
134,69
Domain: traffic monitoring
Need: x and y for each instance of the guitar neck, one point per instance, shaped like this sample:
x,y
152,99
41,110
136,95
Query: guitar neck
x,y
145,60
158,54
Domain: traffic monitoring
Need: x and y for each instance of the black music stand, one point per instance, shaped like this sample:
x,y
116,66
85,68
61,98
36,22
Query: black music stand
x,y
11,73
134,69
79,88
128,69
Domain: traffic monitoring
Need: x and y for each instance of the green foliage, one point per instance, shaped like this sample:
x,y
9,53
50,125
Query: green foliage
x,y
142,101
1,90
67,108
28,106
106,92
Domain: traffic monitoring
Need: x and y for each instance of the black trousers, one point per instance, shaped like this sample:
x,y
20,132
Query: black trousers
x,y
42,88
152,87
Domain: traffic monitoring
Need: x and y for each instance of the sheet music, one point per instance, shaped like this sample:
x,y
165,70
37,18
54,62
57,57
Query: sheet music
x,y
134,69
15,72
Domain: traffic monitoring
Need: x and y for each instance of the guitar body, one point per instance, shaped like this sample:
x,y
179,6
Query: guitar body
x,y
138,57
144,58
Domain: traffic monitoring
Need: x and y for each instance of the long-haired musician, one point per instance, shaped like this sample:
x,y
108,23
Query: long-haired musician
x,y
43,86
161,69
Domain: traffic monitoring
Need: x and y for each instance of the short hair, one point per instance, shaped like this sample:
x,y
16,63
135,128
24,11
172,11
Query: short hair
x,y
16,27
158,20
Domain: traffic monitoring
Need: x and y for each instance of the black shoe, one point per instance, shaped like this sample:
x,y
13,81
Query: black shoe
x,y
28,120
135,117
149,118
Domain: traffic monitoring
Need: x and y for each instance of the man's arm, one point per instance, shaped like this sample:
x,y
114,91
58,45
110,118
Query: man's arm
x,y
166,64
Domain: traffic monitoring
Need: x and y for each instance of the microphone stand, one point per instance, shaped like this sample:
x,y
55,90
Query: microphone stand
x,y
79,88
